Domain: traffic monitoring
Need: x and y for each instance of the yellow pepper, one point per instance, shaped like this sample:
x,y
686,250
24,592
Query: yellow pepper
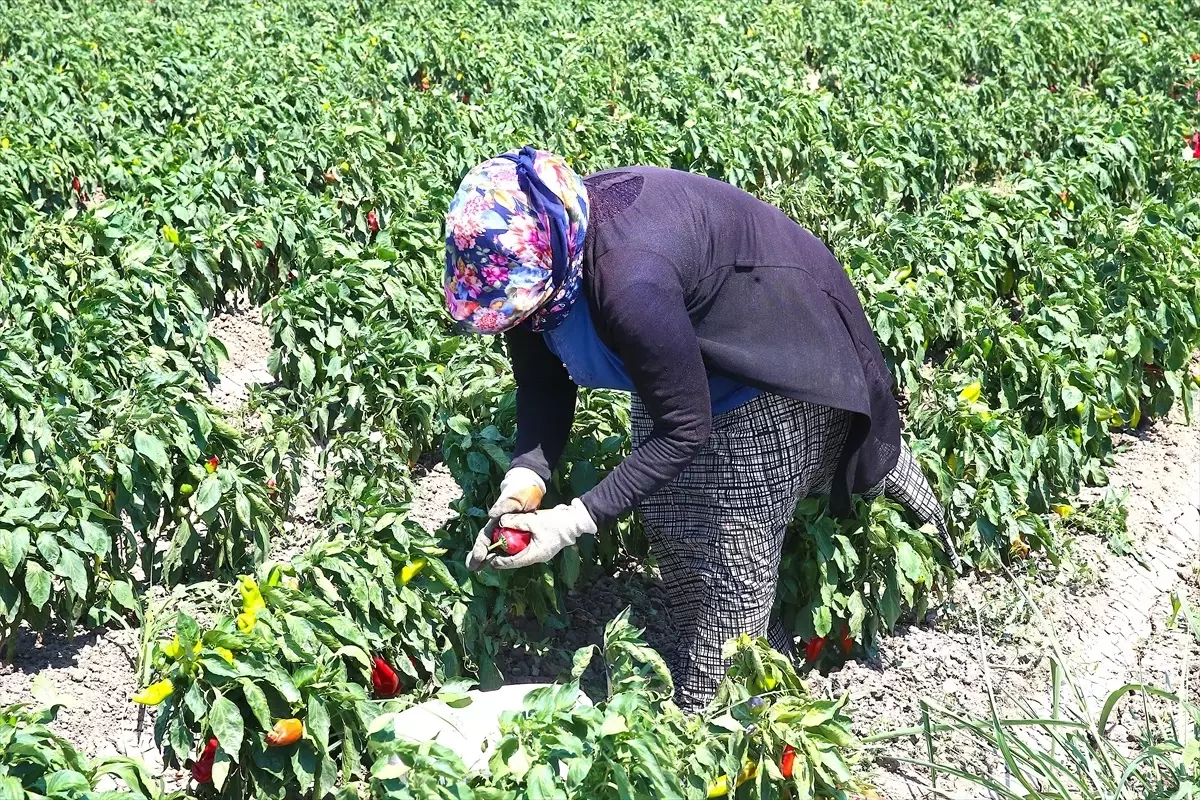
x,y
225,653
720,787
174,649
252,599
155,693
971,392
411,571
245,622
1063,510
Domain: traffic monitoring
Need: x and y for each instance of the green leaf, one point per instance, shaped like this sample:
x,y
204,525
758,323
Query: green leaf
x,y
13,546
66,783
256,698
241,504
308,370
37,584
460,425
122,593
226,722
317,723
304,765
1071,397
95,536
152,449
478,463
208,495
70,566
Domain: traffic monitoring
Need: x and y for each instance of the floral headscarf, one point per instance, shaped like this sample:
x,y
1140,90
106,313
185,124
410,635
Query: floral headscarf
x,y
514,243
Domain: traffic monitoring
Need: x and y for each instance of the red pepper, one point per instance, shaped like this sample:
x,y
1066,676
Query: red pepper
x,y
511,540
258,244
812,650
847,639
372,221
1195,57
210,466
76,185
384,679
787,763
202,769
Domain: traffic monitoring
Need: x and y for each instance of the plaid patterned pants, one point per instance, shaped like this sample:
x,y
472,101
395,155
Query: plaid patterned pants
x,y
717,530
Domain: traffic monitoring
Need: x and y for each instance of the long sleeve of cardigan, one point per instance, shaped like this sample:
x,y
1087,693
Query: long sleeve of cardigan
x,y
545,402
648,325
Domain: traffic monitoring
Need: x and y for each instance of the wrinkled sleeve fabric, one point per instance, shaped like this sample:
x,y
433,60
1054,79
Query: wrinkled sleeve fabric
x,y
646,318
545,402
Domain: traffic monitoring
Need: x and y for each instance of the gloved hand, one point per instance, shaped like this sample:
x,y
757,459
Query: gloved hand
x,y
550,531
521,490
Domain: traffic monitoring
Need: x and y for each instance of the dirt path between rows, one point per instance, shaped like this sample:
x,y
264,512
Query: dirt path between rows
x,y
1107,612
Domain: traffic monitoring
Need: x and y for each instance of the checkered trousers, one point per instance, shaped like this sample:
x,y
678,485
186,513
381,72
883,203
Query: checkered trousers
x,y
718,529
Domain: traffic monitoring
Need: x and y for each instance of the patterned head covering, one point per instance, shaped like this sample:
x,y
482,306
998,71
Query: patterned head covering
x,y
514,243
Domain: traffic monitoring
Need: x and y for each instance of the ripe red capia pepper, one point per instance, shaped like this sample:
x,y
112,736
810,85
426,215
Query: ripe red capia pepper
x,y
511,540
812,650
202,769
384,679
787,763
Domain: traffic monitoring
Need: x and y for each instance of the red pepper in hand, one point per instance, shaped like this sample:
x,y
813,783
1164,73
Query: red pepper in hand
x,y
787,763
384,679
812,650
202,769
510,540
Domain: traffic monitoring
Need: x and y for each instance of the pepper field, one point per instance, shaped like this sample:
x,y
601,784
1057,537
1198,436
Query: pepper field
x,y
1013,187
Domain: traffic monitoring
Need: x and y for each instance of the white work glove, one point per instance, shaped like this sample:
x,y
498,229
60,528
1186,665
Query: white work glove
x,y
521,490
550,531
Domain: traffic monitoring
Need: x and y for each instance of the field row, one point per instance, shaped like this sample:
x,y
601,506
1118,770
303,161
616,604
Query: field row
x,y
1010,188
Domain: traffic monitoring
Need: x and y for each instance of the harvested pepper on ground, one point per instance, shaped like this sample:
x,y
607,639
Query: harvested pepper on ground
x,y
787,762
286,731
384,679
510,541
202,769
411,570
155,693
